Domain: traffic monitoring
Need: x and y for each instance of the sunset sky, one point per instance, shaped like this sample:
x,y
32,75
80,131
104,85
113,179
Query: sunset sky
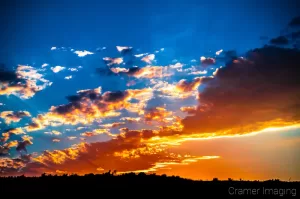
x,y
198,90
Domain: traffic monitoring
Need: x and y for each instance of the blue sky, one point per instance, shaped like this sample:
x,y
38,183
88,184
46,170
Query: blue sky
x,y
186,30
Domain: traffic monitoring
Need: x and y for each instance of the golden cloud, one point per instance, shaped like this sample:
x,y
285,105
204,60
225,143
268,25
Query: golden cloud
x,y
28,82
13,116
89,105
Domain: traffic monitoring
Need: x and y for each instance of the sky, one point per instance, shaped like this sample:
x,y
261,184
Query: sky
x,y
196,89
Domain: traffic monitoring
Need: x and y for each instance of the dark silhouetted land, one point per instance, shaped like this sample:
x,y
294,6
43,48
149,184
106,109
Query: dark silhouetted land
x,y
143,185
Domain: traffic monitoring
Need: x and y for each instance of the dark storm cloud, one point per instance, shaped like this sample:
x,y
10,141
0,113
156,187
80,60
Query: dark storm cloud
x,y
281,40
22,145
251,94
114,96
6,75
295,22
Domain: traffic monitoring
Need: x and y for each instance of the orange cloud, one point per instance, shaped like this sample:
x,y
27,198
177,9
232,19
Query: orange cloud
x,y
119,70
131,119
148,58
132,150
157,114
89,105
14,116
113,61
97,132
7,133
183,89
250,94
28,82
11,144
188,109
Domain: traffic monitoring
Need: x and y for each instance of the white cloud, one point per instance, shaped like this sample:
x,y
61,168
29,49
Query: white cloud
x,y
219,52
177,65
68,77
73,69
141,55
53,48
83,53
44,65
198,72
121,48
57,69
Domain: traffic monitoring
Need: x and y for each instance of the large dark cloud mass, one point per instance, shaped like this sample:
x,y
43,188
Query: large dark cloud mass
x,y
281,40
250,94
295,22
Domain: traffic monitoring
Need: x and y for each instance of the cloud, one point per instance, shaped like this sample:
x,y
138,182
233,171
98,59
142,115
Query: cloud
x,y
177,65
56,132
119,70
53,48
219,52
12,131
189,109
159,114
14,116
113,61
45,65
68,77
13,166
182,89
250,94
148,58
72,137
55,140
112,125
131,119
97,132
141,55
295,22
4,151
207,61
187,86
281,40
57,69
124,49
11,144
132,150
83,53
145,72
100,49
24,83
89,105
73,69
204,72
22,145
